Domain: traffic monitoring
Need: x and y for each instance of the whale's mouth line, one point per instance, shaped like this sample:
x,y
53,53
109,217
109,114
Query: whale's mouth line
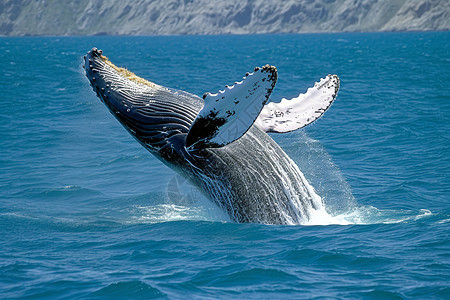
x,y
151,113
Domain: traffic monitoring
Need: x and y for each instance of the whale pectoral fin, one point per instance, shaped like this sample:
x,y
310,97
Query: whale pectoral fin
x,y
228,114
289,115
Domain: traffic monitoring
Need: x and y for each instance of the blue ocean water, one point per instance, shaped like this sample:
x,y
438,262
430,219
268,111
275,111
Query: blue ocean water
x,y
86,212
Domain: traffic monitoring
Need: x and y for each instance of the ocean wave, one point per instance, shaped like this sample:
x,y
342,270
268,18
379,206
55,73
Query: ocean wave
x,y
127,290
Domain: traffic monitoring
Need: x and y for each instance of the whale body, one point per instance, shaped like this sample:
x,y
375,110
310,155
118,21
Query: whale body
x,y
220,143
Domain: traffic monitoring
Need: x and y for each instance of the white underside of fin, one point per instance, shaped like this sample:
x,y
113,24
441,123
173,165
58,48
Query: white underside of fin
x,y
228,114
288,115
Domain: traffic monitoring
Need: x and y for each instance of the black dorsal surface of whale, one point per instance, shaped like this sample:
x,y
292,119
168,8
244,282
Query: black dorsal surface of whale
x,y
220,142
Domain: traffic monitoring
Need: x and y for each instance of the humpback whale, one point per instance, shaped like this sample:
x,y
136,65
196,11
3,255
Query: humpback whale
x,y
220,141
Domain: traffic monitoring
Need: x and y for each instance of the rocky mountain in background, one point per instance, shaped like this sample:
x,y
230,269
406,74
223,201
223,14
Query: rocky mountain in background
x,y
180,17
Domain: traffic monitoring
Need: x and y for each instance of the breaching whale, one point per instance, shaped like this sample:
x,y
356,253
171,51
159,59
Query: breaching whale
x,y
220,143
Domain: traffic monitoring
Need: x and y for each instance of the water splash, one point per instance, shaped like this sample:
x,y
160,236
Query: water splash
x,y
321,172
165,213
322,182
292,198
340,206
181,202
368,215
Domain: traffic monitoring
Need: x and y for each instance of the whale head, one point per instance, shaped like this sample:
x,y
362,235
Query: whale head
x,y
155,115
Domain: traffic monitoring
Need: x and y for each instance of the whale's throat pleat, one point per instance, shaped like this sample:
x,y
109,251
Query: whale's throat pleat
x,y
152,113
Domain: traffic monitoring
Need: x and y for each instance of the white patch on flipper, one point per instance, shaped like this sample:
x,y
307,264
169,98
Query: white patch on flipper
x,y
289,115
228,114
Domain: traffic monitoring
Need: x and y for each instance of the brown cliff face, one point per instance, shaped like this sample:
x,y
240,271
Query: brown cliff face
x,y
181,17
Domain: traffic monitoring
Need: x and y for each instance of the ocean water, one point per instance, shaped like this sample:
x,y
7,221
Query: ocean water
x,y
87,213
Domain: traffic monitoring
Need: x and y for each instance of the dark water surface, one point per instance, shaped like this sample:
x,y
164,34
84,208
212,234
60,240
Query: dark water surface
x,y
86,212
